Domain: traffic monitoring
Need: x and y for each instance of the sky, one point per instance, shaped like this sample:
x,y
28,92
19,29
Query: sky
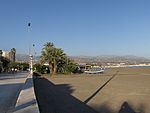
x,y
79,27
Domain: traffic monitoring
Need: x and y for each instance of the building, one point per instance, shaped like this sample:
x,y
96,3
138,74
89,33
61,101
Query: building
x,y
7,54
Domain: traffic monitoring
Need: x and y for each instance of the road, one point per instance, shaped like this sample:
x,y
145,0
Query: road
x,y
10,86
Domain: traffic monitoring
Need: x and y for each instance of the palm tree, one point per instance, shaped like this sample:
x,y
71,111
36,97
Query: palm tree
x,y
53,56
47,55
13,53
1,67
1,52
56,58
59,57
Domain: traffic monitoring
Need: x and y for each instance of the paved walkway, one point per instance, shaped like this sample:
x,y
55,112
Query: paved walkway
x,y
26,102
10,86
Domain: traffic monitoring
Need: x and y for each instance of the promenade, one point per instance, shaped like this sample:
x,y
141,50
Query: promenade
x,y
10,87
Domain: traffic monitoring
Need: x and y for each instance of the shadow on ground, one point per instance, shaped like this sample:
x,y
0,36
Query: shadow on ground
x,y
8,96
125,108
53,98
28,84
57,98
21,104
24,105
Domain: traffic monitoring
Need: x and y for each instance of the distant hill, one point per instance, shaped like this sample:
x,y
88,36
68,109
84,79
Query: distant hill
x,y
95,59
25,58
110,58
22,57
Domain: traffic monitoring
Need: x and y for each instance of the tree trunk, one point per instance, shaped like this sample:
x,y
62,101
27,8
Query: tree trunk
x,y
14,57
50,68
54,69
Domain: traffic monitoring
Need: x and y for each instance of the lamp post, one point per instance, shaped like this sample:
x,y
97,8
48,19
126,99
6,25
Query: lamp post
x,y
31,64
30,55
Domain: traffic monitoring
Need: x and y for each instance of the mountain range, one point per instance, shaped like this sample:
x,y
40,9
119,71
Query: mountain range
x,y
129,59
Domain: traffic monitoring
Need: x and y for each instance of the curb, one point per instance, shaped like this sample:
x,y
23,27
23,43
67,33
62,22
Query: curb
x,y
26,101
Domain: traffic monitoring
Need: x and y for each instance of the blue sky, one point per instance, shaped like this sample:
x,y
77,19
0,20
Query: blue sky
x,y
80,27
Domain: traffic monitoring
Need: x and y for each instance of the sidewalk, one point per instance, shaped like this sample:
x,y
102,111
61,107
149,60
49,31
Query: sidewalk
x,y
26,102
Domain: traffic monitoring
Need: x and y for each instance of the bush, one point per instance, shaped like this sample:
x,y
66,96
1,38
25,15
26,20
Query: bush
x,y
41,69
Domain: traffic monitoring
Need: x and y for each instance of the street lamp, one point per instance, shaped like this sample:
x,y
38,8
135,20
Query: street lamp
x,y
31,59
31,64
30,55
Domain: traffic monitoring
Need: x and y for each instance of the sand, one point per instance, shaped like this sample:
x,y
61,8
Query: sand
x,y
127,92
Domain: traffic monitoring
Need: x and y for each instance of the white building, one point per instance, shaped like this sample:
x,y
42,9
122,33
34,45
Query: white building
x,y
6,54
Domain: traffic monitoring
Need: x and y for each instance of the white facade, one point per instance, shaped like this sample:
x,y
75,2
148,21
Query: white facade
x,y
6,54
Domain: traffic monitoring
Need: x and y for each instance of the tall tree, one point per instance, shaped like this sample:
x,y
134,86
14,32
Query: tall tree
x,y
1,52
47,55
53,56
56,59
13,54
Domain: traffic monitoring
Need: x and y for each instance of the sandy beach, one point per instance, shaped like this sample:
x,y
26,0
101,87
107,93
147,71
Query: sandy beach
x,y
127,92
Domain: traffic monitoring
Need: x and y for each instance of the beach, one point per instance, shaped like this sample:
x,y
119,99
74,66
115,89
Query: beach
x,y
128,91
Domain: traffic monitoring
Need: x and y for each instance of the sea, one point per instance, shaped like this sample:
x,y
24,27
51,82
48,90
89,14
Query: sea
x,y
139,66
